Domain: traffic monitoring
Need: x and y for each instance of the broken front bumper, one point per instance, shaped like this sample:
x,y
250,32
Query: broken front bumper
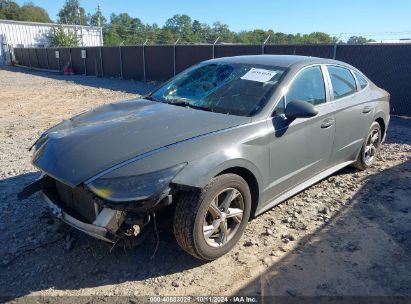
x,y
104,226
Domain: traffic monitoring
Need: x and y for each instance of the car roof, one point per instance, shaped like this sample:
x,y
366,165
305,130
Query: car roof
x,y
284,61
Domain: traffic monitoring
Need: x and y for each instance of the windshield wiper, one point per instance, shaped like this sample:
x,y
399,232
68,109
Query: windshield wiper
x,y
189,105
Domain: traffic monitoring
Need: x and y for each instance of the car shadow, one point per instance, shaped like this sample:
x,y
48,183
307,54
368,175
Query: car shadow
x,y
364,250
40,253
115,84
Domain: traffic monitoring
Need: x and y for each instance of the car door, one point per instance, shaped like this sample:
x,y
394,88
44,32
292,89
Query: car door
x,y
354,112
300,148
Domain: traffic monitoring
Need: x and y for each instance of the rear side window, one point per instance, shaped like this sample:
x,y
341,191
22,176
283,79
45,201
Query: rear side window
x,y
342,81
361,80
308,86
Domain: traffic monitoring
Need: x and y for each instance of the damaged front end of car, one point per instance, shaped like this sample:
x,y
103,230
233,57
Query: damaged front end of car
x,y
112,209
108,171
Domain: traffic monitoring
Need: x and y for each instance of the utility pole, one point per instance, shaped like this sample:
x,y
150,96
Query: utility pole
x,y
98,15
78,12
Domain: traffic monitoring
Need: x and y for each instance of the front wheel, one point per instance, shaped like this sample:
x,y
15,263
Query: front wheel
x,y
370,148
208,223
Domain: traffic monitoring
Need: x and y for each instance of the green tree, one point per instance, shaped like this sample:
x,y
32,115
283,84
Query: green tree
x,y
31,12
152,32
180,26
206,33
93,20
279,38
197,31
60,37
111,36
126,29
72,13
254,37
167,36
10,10
223,31
317,37
359,40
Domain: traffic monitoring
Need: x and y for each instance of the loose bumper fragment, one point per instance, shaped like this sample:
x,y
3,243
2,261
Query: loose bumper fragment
x,y
104,227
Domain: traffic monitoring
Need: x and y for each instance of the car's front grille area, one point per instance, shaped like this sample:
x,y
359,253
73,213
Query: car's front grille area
x,y
77,199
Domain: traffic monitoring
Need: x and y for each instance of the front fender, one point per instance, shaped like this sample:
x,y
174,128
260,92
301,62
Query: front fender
x,y
199,173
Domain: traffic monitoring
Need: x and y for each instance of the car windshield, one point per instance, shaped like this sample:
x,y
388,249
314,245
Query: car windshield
x,y
230,88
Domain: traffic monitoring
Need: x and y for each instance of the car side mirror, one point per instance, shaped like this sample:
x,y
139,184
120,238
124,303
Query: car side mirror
x,y
300,109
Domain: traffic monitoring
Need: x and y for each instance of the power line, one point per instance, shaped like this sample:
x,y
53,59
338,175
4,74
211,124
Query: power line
x,y
374,33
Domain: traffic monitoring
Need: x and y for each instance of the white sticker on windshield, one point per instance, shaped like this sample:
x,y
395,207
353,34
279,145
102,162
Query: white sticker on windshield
x,y
259,75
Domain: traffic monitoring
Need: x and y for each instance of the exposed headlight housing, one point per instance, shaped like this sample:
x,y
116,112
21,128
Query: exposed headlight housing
x,y
134,188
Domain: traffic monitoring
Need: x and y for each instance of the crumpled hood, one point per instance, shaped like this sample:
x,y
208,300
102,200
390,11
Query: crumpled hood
x,y
78,149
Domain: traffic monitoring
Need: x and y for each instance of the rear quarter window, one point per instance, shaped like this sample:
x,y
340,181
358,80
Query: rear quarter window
x,y
361,80
342,81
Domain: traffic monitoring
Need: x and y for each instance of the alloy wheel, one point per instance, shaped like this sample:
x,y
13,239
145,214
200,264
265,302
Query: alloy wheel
x,y
371,147
223,217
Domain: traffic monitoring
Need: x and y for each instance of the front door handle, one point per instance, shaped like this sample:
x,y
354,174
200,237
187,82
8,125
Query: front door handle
x,y
366,109
327,123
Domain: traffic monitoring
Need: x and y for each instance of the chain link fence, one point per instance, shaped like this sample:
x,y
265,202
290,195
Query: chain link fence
x,y
388,65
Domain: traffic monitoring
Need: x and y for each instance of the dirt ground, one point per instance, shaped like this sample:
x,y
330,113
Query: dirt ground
x,y
349,235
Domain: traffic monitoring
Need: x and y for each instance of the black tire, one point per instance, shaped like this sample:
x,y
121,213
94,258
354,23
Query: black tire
x,y
362,163
192,209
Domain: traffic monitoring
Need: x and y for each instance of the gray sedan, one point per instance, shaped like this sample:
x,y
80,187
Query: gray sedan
x,y
218,144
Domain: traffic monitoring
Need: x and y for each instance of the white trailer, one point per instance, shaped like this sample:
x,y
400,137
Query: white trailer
x,y
36,34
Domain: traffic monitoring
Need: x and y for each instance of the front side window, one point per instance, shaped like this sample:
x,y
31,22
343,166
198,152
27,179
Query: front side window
x,y
361,80
342,81
280,107
308,86
229,88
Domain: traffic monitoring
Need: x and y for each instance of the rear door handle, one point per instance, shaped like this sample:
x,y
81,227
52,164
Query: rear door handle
x,y
327,123
366,109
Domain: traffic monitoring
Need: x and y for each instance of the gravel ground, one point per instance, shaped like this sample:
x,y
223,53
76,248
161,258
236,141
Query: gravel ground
x,y
347,235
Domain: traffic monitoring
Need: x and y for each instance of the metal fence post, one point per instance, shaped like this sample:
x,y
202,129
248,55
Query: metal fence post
x,y
144,61
28,51
214,46
121,62
84,63
58,59
174,56
8,54
101,62
335,51
11,54
22,56
71,62
336,45
47,59
37,57
263,45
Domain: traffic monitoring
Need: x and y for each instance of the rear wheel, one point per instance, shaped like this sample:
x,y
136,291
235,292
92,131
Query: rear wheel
x,y
370,148
208,223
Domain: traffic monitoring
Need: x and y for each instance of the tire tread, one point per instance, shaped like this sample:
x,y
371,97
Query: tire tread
x,y
185,214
